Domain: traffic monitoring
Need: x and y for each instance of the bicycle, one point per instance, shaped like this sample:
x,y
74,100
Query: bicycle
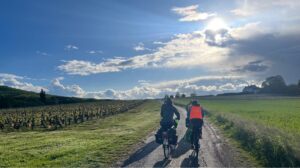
x,y
195,143
167,146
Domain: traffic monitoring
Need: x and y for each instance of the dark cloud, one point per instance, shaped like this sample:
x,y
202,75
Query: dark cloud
x,y
220,38
254,66
283,51
110,93
125,63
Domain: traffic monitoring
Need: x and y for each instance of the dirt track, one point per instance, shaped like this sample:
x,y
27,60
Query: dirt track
x,y
214,151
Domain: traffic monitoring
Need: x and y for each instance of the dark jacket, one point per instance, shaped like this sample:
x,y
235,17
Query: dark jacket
x,y
167,112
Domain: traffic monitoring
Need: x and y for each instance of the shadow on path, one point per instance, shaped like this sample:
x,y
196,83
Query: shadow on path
x,y
181,149
141,153
162,163
190,162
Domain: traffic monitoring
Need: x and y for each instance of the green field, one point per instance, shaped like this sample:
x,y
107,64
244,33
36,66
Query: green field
x,y
258,122
93,143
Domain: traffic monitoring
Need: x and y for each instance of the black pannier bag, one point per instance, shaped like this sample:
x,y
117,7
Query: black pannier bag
x,y
158,138
172,136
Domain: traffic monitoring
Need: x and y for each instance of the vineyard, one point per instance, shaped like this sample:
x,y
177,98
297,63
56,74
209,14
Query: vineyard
x,y
59,116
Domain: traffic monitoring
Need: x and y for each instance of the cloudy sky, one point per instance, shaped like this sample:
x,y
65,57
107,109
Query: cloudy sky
x,y
127,49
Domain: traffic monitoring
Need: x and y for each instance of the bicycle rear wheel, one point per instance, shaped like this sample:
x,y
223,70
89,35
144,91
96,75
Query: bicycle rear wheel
x,y
197,150
196,143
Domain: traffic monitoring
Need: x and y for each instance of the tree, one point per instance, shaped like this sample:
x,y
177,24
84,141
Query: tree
x,y
274,81
43,96
171,97
177,95
251,89
183,96
274,84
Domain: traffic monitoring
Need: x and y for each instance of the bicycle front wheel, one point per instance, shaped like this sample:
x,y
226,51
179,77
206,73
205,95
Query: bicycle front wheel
x,y
167,151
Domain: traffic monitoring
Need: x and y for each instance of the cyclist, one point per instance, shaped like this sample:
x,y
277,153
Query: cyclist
x,y
194,119
167,114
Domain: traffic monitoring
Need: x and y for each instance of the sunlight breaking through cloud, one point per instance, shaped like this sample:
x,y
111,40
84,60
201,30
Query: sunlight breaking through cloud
x,y
182,51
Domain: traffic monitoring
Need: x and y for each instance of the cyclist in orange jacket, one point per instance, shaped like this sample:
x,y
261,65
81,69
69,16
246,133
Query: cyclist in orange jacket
x,y
195,114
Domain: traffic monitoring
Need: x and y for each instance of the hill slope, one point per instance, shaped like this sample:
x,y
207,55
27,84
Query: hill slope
x,y
11,97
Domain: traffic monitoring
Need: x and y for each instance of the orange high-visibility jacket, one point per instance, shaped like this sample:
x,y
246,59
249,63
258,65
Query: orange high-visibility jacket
x,y
196,112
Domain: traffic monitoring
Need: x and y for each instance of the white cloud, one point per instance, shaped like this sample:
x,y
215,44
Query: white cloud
x,y
249,30
71,47
56,86
190,13
143,82
140,47
77,67
95,52
201,49
252,7
18,82
201,85
184,50
241,12
158,43
69,90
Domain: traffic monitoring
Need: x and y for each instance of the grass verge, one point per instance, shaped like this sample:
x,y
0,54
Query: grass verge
x,y
270,149
266,127
91,144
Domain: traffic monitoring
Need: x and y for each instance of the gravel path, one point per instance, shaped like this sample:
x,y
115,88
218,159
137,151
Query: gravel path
x,y
214,151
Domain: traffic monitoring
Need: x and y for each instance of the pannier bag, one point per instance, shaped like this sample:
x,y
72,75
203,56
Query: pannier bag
x,y
158,138
171,135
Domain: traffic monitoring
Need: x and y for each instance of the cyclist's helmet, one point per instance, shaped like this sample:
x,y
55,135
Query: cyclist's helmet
x,y
168,100
194,102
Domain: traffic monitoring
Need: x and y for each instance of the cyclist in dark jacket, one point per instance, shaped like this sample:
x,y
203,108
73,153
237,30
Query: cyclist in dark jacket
x,y
167,122
167,112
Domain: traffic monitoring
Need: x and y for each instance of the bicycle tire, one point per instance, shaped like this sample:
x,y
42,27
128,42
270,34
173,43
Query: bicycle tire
x,y
197,150
166,151
196,144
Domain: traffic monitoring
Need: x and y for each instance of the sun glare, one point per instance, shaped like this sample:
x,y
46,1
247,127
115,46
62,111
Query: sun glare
x,y
216,24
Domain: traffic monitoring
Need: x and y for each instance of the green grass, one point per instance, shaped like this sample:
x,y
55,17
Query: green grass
x,y
268,127
91,144
281,114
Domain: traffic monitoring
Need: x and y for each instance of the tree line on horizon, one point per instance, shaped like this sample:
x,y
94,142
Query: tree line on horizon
x,y
274,85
